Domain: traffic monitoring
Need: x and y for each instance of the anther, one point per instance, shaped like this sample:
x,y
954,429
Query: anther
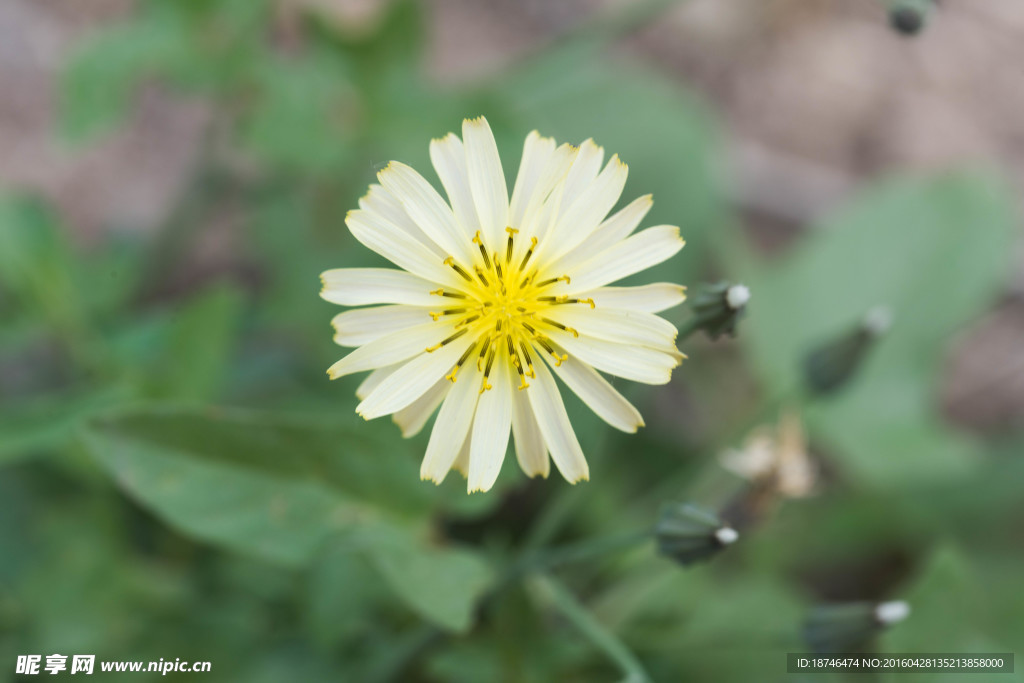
x,y
458,363
487,372
453,295
529,252
529,361
450,261
508,250
560,326
483,352
483,251
480,274
466,321
435,347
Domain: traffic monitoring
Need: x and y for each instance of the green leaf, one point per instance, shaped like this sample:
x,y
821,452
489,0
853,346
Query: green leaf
x,y
441,584
935,252
198,346
284,489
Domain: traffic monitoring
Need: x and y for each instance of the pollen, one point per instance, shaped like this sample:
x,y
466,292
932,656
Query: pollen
x,y
506,308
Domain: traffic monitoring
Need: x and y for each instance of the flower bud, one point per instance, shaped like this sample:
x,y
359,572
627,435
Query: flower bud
x,y
909,16
830,366
850,627
719,306
688,534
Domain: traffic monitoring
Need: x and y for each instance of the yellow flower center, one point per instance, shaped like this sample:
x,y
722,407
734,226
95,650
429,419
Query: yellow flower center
x,y
505,306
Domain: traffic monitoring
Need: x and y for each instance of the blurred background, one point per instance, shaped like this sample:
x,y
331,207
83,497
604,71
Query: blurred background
x,y
180,480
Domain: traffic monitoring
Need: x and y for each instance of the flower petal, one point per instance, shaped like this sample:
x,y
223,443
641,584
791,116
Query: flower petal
x,y
490,431
411,381
379,202
579,221
449,158
486,180
412,417
451,428
362,325
621,326
630,362
537,152
531,452
554,424
387,239
362,286
653,298
426,208
373,380
612,231
598,394
636,253
391,348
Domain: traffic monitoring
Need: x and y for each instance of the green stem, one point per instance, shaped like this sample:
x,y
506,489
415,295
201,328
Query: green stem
x,y
556,595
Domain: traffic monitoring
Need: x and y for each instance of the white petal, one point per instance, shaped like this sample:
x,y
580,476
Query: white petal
x,y
462,460
598,394
579,221
554,424
639,252
652,298
630,362
411,380
362,286
583,171
373,380
612,231
412,417
451,428
544,199
362,325
531,452
380,202
537,152
621,326
426,208
486,180
391,348
387,239
489,440
449,158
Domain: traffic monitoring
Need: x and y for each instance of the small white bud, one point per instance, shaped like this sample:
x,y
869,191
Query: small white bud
x,y
892,612
878,320
727,535
737,296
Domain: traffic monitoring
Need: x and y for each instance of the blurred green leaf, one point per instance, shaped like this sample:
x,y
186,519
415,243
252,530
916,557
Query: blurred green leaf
x,y
279,489
935,252
442,584
197,346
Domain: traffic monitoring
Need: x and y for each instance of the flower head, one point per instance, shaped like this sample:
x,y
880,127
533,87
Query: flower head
x,y
496,293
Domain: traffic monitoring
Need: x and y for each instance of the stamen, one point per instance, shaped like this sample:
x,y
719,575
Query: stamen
x,y
483,352
487,371
529,253
466,321
483,250
529,361
453,295
508,250
540,339
561,299
480,274
517,363
563,278
458,363
450,261
448,311
435,347
560,326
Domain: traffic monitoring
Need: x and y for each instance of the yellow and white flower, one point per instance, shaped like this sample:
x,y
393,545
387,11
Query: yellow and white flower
x,y
493,291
